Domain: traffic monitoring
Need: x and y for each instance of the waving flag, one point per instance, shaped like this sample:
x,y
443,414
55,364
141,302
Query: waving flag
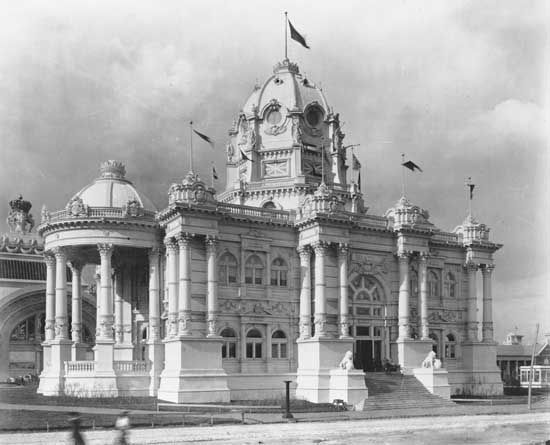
x,y
411,166
204,137
295,35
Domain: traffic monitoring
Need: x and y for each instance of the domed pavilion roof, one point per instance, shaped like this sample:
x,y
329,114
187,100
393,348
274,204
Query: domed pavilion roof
x,y
112,189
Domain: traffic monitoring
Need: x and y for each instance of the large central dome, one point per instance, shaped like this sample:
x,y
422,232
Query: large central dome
x,y
288,87
284,143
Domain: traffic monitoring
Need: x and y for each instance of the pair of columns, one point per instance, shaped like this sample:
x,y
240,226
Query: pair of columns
x,y
56,323
321,250
487,308
404,295
179,285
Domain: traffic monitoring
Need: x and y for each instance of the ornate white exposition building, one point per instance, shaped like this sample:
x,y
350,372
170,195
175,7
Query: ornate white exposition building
x,y
223,296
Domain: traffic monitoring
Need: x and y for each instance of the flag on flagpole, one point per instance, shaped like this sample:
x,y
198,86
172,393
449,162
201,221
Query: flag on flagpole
x,y
214,173
204,138
244,156
295,35
355,164
411,166
472,186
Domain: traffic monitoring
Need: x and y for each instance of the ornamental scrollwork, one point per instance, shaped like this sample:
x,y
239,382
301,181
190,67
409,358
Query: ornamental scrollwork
x,y
76,207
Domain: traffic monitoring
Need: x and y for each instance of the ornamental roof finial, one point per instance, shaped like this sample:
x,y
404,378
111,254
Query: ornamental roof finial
x,y
112,169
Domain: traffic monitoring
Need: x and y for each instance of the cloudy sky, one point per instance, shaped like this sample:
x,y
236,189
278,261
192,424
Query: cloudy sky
x,y
460,87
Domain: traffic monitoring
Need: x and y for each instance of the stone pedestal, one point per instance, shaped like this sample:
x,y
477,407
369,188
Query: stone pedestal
x,y
481,375
123,351
155,352
317,357
104,378
193,371
434,380
52,379
78,351
411,353
348,386
46,362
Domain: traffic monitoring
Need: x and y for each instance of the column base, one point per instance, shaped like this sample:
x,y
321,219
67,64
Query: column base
x,y
411,353
482,375
318,379
155,351
193,371
123,351
52,379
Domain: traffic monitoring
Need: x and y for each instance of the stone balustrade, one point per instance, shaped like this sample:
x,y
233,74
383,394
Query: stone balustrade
x,y
78,367
98,212
131,366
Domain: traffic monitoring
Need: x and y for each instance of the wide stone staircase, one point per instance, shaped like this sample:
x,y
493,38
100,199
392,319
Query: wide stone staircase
x,y
396,391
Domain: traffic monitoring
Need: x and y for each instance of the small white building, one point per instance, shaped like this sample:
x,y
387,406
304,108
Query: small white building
x,y
223,295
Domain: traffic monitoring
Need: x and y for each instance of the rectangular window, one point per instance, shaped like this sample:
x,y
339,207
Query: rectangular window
x,y
258,350
283,350
362,330
258,278
275,350
224,350
248,276
274,278
232,274
283,278
232,350
250,350
363,310
221,275
377,331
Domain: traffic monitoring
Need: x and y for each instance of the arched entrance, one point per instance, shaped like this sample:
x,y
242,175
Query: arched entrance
x,y
368,309
22,331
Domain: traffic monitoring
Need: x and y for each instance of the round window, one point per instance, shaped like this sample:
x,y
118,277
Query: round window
x,y
314,116
274,117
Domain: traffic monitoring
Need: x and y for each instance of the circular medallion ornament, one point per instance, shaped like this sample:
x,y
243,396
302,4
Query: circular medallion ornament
x,y
274,117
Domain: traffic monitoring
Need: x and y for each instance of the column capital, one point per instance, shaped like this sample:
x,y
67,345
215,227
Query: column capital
x,y
403,256
320,247
153,253
304,252
487,269
49,259
171,244
211,242
343,249
184,238
423,257
59,253
75,266
105,249
470,266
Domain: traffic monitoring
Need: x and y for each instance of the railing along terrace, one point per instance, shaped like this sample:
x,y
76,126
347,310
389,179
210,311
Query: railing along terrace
x,y
79,366
446,237
134,366
100,212
283,216
378,222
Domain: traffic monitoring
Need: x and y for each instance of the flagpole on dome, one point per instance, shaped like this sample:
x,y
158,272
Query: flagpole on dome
x,y
191,146
471,187
286,35
403,175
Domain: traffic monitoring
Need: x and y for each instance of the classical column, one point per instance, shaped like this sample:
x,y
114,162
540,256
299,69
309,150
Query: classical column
x,y
471,323
50,297
76,325
305,292
172,282
97,278
343,305
61,328
404,296
487,325
423,279
119,317
320,315
106,304
184,242
212,286
154,295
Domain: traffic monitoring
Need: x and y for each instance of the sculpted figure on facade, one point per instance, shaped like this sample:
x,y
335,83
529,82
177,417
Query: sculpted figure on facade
x,y
429,360
19,219
76,207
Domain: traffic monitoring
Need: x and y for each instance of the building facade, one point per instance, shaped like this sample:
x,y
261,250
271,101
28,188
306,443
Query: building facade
x,y
222,296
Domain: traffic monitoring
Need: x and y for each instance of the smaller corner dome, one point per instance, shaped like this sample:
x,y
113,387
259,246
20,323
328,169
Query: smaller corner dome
x,y
112,189
287,87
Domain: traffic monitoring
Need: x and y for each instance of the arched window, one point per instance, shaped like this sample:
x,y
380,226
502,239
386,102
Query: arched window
x,y
450,346
229,345
433,284
227,269
269,205
25,331
254,270
279,272
278,345
254,342
451,285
